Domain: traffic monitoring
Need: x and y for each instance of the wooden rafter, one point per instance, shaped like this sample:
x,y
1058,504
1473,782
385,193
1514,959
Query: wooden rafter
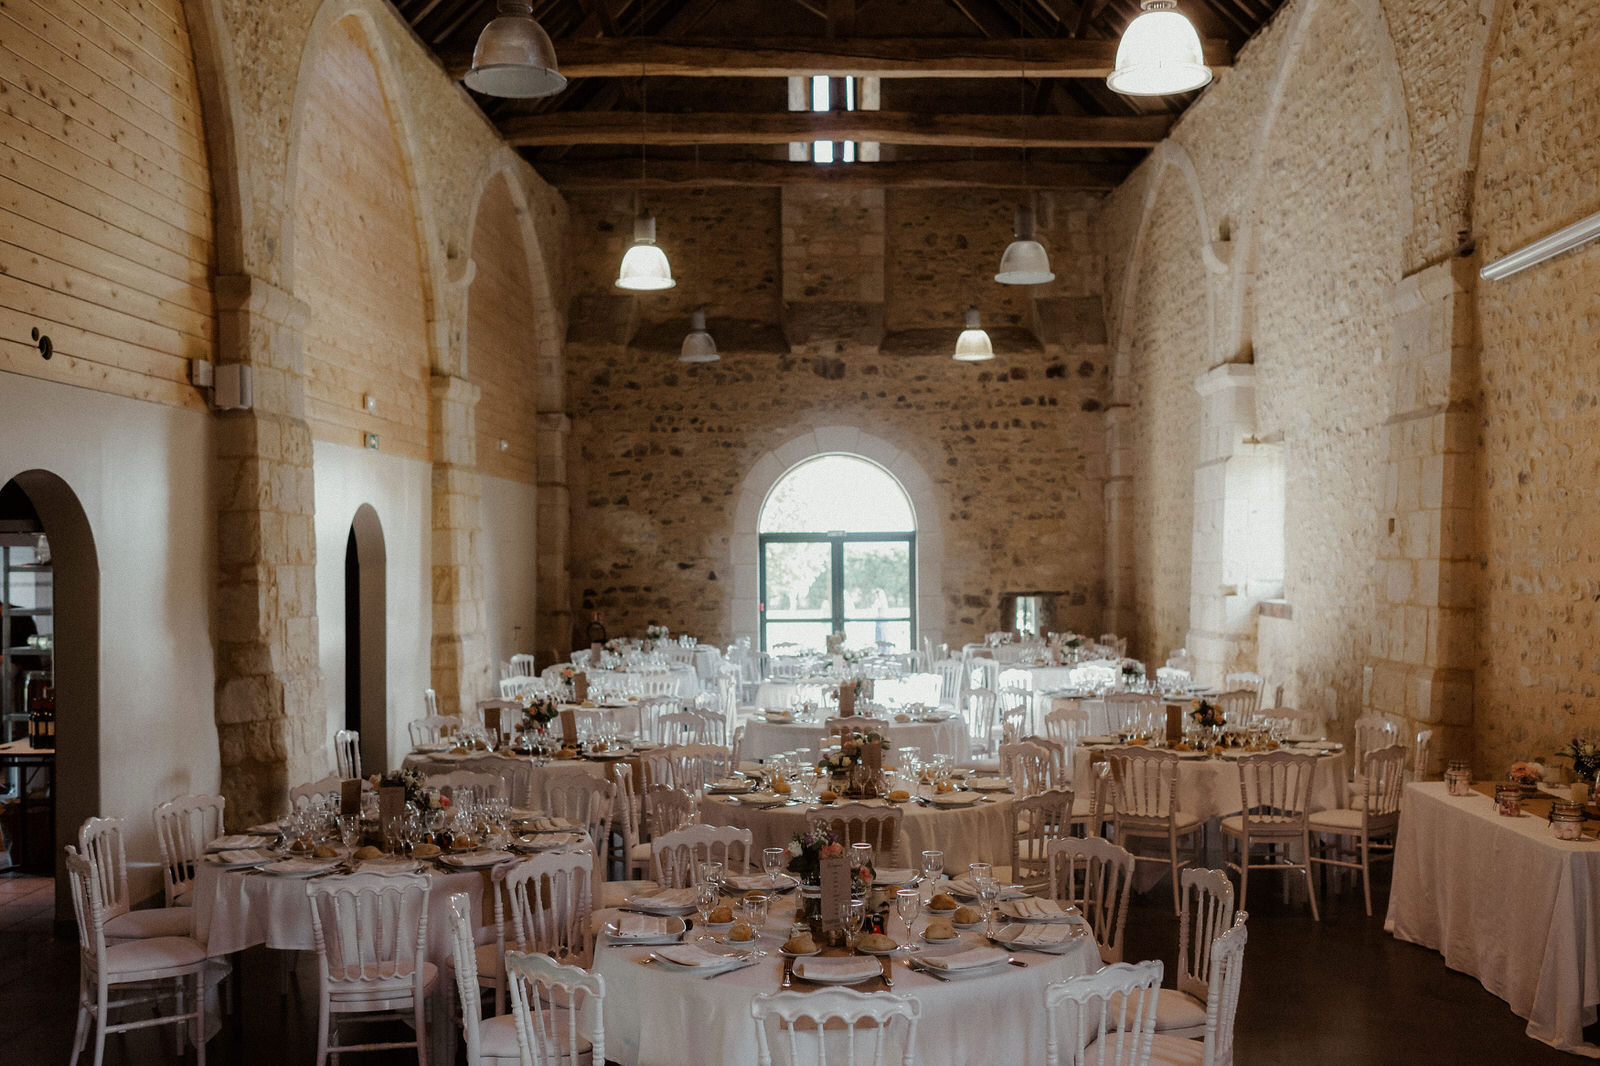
x,y
664,174
886,127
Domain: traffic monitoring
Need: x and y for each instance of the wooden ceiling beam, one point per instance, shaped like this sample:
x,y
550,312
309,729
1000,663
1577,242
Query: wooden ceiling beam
x,y
885,127
602,57
959,173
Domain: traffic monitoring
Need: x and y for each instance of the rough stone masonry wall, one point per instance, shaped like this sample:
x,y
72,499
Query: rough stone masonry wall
x,y
1013,448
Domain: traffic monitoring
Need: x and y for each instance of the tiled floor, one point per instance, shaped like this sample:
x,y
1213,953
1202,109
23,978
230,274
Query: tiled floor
x,y
1336,991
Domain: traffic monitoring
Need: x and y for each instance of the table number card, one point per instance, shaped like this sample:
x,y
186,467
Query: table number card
x,y
596,650
847,700
569,728
491,720
1174,725
580,687
835,890
872,755
391,810
350,796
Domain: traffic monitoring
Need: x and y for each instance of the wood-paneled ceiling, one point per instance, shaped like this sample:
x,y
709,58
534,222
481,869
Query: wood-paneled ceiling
x,y
999,93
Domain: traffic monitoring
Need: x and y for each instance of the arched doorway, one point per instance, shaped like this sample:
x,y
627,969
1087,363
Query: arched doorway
x,y
41,498
366,637
837,540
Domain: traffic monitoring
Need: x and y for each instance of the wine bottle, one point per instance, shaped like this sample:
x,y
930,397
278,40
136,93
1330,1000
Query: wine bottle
x,y
41,712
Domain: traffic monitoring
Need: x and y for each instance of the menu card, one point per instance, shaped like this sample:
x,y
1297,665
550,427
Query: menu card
x,y
597,649
580,687
847,700
569,728
872,756
491,720
1174,725
835,890
350,796
391,810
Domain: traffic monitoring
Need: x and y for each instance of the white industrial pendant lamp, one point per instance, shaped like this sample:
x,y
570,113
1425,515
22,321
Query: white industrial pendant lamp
x,y
973,345
644,265
698,347
514,57
1159,54
1024,261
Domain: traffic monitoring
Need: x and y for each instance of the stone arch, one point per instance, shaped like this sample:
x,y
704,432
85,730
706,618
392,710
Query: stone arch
x,y
741,606
217,74
76,579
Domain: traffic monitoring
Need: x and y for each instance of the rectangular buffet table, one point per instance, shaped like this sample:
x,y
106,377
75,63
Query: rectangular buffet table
x,y
1505,901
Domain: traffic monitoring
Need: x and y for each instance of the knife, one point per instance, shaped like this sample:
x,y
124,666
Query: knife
x,y
888,975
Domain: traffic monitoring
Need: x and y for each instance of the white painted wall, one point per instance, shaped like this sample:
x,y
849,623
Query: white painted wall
x,y
508,552
140,472
400,491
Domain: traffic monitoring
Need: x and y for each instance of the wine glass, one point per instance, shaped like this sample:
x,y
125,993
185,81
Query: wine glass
x,y
705,901
907,902
350,829
753,908
988,891
860,855
852,915
710,873
772,862
932,864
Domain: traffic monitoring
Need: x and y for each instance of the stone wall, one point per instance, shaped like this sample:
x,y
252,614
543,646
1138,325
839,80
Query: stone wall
x,y
1012,449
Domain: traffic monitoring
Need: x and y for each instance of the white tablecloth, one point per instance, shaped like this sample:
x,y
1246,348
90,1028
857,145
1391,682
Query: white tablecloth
x,y
763,739
1505,901
997,1018
525,778
1209,788
980,833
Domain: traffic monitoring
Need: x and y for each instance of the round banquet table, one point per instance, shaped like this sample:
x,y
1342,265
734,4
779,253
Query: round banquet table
x,y
764,739
978,833
524,777
1209,787
997,1017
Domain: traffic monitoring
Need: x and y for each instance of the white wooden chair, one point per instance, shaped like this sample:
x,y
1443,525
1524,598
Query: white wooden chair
x,y
482,783
347,753
689,767
371,936
311,791
836,1025
510,712
1274,795
184,826
1376,819
1058,762
521,665
588,803
951,678
1295,721
981,712
661,683
100,841
1247,681
1101,894
550,897
143,967
430,703
491,1041
1015,712
682,727
1103,1018
1144,802
1129,712
1037,820
558,1010
663,809
1222,1007
1237,706
675,856
857,823
1030,766
1066,724
431,729
983,673
1207,913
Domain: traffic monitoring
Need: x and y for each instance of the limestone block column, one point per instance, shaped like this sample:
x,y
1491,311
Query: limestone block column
x,y
1223,590
268,684
460,647
1423,641
554,619
1119,492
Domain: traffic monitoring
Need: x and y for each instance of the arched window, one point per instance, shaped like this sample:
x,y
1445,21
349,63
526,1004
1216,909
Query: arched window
x,y
838,549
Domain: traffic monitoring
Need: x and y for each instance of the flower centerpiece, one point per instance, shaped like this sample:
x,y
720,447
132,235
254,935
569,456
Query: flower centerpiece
x,y
853,655
655,632
1527,774
1585,756
1205,714
612,646
538,712
1132,669
416,785
568,672
809,847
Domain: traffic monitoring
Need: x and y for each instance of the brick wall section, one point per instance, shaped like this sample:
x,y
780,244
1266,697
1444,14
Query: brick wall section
x,y
1539,676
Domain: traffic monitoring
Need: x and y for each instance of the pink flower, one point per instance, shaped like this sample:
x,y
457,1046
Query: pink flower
x,y
865,873
830,850
1527,772
444,801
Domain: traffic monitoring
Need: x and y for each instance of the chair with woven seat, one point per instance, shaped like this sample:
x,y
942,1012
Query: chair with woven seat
x,y
491,1041
1144,802
558,1010
1215,1048
675,856
857,823
371,936
184,826
1207,913
1103,1018
1274,799
1376,819
144,967
100,841
1101,893
1037,820
836,1025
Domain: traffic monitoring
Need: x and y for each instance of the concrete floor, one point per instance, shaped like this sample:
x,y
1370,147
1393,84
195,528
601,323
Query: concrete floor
x,y
1338,991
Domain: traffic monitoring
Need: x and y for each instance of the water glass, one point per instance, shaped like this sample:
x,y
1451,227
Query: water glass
x,y
350,829
753,907
852,915
772,862
710,873
907,902
988,891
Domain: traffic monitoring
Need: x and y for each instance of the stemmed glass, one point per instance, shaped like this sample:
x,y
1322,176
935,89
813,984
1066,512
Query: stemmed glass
x,y
753,908
988,891
772,862
350,829
907,902
860,855
705,901
932,864
852,915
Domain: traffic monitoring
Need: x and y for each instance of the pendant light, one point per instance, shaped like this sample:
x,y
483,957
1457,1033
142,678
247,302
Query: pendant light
x,y
1160,54
1024,261
514,57
644,265
973,345
698,347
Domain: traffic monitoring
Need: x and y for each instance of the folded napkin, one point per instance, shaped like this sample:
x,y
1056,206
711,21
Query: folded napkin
x,y
237,840
838,969
672,899
895,875
239,858
757,799
780,716
751,882
1034,936
964,886
965,960
633,926
301,866
691,955
729,784
1028,907
547,825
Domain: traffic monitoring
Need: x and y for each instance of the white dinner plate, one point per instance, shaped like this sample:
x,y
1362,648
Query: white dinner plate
x,y
1054,939
241,859
880,952
1099,738
656,905
1012,909
821,975
961,974
926,939
240,841
955,799
300,867
476,860
674,929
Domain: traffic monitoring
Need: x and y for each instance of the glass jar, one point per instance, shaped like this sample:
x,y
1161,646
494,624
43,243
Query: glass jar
x,y
1458,778
1508,799
1566,818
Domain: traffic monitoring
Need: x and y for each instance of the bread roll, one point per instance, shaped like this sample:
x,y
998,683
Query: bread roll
x,y
878,942
325,852
426,851
722,915
943,901
800,945
741,931
899,795
966,915
939,929
368,852
827,796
